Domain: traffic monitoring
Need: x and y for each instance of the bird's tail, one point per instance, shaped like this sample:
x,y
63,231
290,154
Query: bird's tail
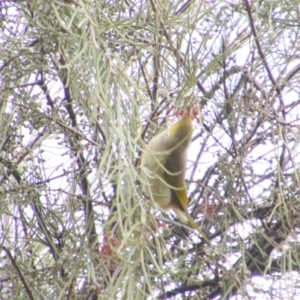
x,y
193,224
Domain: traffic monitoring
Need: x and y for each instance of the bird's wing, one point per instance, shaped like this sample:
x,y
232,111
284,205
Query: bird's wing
x,y
178,195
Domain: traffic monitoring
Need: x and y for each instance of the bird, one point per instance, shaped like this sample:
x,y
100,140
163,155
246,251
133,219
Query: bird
x,y
164,166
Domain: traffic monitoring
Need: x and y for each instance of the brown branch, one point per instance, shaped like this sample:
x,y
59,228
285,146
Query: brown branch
x,y
278,91
291,74
184,6
145,78
154,113
262,55
44,88
188,288
15,265
156,67
81,163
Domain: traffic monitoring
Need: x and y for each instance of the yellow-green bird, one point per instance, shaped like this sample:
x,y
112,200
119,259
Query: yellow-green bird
x,y
164,166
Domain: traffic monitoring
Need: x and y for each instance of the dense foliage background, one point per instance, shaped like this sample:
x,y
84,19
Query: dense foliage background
x,y
84,85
